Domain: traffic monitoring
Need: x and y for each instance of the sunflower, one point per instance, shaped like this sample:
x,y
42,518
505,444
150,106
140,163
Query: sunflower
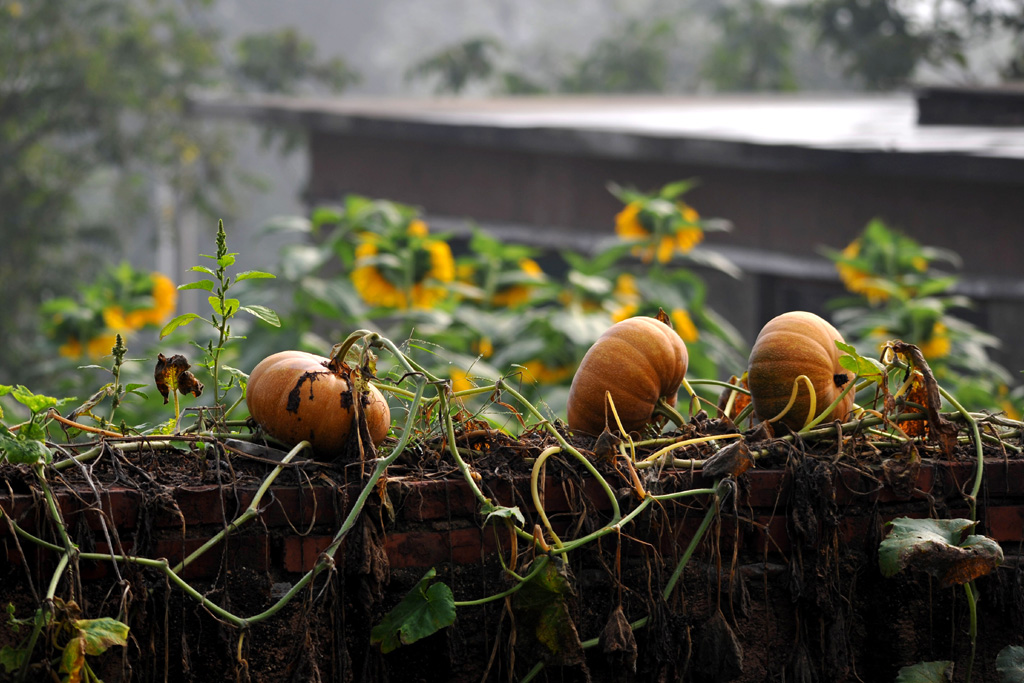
x,y
684,325
518,294
938,344
627,295
685,232
858,280
431,265
543,373
460,380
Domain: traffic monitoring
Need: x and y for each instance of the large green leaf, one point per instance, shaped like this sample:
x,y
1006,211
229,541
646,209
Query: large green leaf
x,y
542,613
263,313
1010,664
426,609
926,672
938,547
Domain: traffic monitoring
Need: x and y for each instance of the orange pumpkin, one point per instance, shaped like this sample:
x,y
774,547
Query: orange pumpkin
x,y
298,396
793,344
639,360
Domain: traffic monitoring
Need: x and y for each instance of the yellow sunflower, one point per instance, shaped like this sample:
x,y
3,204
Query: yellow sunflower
x,y
460,380
375,288
684,239
857,280
684,325
627,295
518,294
939,344
543,373
72,349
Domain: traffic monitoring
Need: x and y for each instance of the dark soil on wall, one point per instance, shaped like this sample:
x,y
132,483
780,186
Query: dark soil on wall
x,y
784,587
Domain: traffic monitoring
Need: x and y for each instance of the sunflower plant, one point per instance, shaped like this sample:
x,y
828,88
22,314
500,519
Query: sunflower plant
x,y
661,225
121,300
901,290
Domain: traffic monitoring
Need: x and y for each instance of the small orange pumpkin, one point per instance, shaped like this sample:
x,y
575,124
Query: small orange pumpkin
x,y
638,360
793,344
296,395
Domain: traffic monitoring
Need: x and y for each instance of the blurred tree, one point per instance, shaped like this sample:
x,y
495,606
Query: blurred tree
x,y
457,66
754,50
884,42
93,100
286,62
633,60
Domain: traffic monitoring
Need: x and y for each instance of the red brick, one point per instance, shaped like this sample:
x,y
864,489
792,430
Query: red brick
x,y
1004,523
436,499
300,553
300,507
431,548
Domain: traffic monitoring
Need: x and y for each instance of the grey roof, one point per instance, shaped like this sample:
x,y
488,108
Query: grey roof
x,y
876,133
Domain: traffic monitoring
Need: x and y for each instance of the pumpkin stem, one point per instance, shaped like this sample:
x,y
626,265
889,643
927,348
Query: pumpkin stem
x,y
812,403
538,465
694,399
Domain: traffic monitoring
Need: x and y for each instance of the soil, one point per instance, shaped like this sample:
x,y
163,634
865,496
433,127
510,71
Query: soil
x,y
817,609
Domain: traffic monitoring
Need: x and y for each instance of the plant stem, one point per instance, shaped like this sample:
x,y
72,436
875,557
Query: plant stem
x,y
252,510
972,606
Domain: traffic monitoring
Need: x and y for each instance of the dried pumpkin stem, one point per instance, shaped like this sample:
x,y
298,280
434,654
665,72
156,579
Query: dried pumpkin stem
x,y
535,474
792,399
654,457
694,399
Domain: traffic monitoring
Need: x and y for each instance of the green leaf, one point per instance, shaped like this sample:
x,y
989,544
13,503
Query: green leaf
x,y
227,309
21,451
426,609
501,512
101,634
858,364
34,402
202,284
12,658
937,547
1010,664
323,215
175,323
201,269
253,275
265,314
926,672
680,187
227,260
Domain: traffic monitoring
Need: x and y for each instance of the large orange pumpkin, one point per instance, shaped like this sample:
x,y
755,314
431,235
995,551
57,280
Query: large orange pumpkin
x,y
793,344
638,360
296,395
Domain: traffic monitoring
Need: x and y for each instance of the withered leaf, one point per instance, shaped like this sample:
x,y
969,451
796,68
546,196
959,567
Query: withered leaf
x,y
618,642
172,375
734,459
606,445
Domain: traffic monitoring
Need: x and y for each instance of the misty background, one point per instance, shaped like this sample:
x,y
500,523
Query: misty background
x,y
103,162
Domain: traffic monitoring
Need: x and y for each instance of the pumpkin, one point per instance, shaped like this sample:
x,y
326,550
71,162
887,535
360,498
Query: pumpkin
x,y
793,344
296,396
639,360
